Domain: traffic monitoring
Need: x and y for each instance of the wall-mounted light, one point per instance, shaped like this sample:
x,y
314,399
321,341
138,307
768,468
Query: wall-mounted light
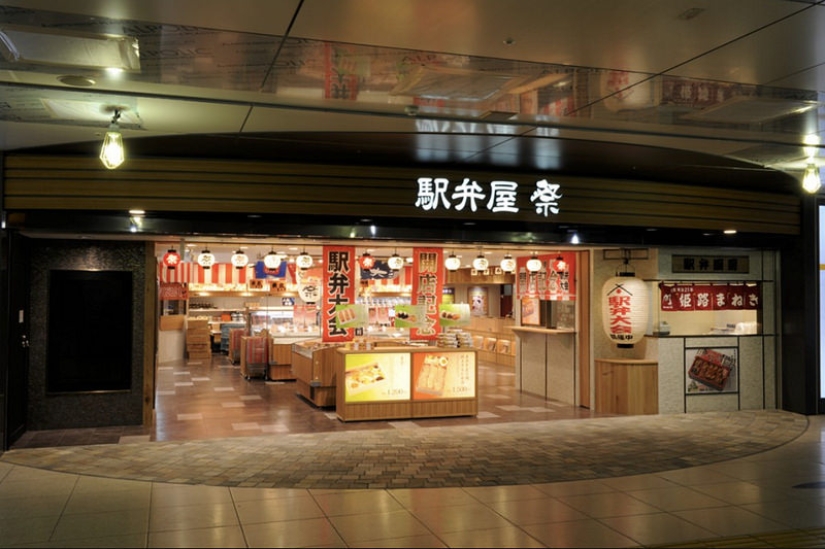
x,y
508,264
206,259
239,259
452,263
112,153
811,181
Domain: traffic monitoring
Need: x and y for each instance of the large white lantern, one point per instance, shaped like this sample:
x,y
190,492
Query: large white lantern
x,y
206,259
625,304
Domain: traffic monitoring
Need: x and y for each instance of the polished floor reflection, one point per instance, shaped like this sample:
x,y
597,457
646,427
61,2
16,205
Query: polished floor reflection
x,y
198,400
772,495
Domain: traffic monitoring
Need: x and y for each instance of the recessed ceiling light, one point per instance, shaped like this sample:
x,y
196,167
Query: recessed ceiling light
x,y
76,81
730,231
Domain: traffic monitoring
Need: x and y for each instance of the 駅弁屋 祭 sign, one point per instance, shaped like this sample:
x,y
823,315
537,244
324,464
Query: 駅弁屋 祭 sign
x,y
495,196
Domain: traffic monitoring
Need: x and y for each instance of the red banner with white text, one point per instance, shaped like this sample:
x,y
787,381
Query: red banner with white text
x,y
340,280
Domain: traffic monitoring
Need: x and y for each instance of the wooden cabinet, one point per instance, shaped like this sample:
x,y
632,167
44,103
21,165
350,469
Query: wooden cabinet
x,y
625,386
313,365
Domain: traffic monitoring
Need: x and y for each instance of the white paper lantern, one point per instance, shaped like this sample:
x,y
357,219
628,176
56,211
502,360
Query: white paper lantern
x,y
206,259
534,264
452,263
239,259
395,262
625,306
303,261
508,264
480,263
272,260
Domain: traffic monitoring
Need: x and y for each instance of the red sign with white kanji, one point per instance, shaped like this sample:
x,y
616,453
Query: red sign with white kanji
x,y
339,280
427,286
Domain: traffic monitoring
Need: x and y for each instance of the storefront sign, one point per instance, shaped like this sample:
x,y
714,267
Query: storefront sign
x,y
715,296
339,283
427,287
739,264
495,196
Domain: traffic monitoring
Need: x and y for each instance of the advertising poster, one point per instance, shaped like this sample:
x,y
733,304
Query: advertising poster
x,y
351,316
530,311
711,370
454,314
554,281
443,375
375,377
479,298
410,316
339,282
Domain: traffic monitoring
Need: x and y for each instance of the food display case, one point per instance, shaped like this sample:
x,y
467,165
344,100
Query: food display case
x,y
313,365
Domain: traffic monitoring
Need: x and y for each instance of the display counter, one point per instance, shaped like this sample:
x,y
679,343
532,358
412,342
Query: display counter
x,y
313,366
546,362
405,382
627,386
279,357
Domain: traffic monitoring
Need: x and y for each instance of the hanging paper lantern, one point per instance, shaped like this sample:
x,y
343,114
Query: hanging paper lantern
x,y
239,259
534,264
559,265
303,261
480,263
272,260
206,259
366,261
625,306
452,263
508,264
395,262
171,259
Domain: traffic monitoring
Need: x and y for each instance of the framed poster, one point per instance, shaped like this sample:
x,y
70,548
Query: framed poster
x,y
711,371
530,311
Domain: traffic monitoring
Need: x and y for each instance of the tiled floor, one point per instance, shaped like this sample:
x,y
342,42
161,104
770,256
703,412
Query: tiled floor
x,y
759,483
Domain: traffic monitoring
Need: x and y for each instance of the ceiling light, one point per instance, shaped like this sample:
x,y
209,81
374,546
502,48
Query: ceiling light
x,y
58,48
811,181
111,153
452,263
811,147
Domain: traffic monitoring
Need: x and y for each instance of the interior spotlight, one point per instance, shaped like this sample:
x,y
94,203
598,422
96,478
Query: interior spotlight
x,y
811,181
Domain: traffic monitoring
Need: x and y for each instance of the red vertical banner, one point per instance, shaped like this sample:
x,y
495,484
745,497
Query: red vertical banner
x,y
555,280
668,301
339,281
427,286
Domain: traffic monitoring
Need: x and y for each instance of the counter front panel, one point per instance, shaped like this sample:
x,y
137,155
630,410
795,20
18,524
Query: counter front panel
x,y
406,382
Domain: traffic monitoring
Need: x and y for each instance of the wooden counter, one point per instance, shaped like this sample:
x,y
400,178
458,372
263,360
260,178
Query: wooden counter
x,y
626,386
405,382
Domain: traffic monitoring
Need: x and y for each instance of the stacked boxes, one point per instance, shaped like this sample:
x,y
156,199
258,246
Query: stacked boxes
x,y
198,344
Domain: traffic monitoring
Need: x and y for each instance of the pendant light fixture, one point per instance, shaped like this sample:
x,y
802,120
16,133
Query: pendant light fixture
x,y
452,263
480,263
112,153
239,259
395,262
534,264
304,260
272,260
206,259
811,181
508,264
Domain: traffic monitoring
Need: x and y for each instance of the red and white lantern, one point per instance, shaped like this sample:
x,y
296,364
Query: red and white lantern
x,y
171,259
625,306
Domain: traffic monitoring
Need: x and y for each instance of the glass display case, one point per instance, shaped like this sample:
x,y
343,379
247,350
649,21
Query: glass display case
x,y
284,321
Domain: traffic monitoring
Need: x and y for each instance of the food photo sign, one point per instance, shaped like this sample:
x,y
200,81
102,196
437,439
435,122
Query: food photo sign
x,y
711,371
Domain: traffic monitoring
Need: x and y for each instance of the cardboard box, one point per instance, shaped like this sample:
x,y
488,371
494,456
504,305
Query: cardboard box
x,y
197,323
172,323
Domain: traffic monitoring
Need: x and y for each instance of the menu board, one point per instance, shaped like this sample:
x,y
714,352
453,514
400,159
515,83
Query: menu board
x,y
439,375
373,377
